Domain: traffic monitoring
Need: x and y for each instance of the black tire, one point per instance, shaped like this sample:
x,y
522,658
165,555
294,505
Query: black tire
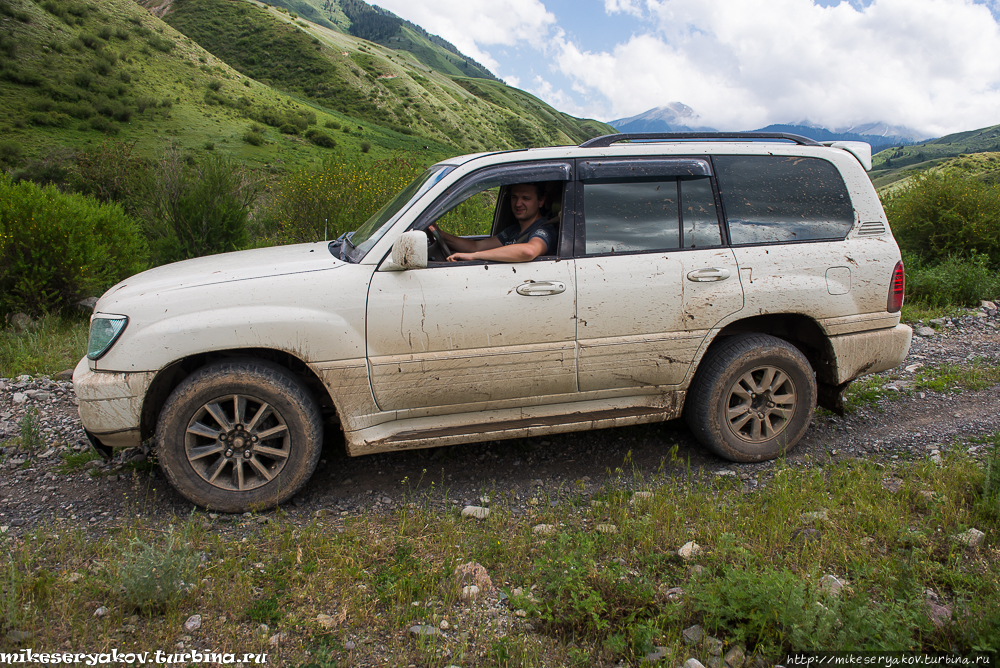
x,y
752,398
239,435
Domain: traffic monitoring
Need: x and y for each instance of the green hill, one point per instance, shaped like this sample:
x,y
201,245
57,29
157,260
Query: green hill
x,y
363,79
895,164
247,80
72,74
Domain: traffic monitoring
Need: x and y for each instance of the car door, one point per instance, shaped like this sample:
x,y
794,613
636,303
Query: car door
x,y
459,336
653,275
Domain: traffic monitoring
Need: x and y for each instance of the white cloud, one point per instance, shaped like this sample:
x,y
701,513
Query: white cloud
x,y
475,25
633,7
928,64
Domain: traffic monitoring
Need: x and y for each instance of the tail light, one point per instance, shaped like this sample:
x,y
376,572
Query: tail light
x,y
896,287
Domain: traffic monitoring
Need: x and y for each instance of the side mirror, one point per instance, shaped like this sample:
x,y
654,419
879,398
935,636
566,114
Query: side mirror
x,y
409,251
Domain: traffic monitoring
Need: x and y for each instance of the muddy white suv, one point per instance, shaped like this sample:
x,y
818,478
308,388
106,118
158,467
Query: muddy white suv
x,y
734,279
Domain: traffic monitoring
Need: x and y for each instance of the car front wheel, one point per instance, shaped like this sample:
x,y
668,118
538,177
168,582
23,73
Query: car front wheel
x,y
752,398
238,435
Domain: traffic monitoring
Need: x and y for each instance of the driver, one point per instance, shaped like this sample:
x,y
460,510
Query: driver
x,y
535,236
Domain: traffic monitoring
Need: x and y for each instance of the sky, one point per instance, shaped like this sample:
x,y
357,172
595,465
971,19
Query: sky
x,y
929,65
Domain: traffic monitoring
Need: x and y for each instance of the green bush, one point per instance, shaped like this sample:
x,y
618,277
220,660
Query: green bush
x,y
288,129
320,138
337,198
946,215
955,281
11,154
56,248
153,577
254,138
192,209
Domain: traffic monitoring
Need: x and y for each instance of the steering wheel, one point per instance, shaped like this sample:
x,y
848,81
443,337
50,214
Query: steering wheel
x,y
436,244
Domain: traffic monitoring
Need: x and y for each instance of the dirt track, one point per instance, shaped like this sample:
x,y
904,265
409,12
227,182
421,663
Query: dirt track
x,y
905,425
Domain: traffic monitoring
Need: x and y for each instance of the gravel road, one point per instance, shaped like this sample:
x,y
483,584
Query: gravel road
x,y
38,490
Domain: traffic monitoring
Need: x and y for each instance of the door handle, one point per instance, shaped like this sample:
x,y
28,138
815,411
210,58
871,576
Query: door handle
x,y
708,274
540,288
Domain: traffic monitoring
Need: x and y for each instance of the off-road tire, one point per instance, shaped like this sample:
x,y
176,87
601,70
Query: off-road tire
x,y
280,431
744,426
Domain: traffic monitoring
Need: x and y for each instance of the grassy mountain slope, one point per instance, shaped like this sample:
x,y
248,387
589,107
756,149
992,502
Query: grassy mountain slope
x,y
981,166
73,73
895,164
366,80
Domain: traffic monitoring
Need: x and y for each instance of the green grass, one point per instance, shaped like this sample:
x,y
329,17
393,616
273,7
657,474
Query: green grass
x,y
592,598
54,344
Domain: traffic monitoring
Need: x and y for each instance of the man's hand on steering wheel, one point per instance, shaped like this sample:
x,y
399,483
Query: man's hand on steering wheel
x,y
434,233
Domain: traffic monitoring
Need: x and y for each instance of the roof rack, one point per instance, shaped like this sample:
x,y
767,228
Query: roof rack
x,y
608,140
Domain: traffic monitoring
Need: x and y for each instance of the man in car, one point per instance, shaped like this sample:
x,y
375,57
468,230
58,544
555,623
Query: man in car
x,y
535,235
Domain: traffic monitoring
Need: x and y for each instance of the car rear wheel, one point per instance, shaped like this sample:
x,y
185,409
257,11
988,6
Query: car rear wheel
x,y
752,398
239,435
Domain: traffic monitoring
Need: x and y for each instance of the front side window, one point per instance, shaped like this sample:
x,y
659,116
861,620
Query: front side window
x,y
779,199
636,216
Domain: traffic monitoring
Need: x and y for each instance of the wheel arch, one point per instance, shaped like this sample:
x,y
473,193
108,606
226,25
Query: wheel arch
x,y
806,334
168,378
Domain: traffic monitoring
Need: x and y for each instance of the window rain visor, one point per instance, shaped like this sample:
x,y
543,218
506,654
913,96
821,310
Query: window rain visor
x,y
366,236
104,331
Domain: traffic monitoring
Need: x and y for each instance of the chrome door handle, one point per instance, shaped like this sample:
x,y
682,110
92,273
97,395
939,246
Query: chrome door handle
x,y
540,288
708,274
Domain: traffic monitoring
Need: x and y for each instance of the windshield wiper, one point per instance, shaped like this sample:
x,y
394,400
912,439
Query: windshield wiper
x,y
337,246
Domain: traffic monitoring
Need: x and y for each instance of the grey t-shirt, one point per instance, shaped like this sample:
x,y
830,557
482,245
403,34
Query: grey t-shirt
x,y
540,229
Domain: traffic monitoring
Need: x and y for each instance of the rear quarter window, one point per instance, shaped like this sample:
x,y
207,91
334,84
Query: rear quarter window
x,y
771,199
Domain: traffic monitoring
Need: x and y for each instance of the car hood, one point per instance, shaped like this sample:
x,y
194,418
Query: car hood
x,y
223,268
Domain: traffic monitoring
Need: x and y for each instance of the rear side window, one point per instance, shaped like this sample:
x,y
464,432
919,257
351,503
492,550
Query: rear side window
x,y
778,199
634,216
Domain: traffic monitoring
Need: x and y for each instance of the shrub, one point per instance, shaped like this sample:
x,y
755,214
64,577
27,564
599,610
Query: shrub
x,y
366,146
254,138
56,248
332,125
215,84
110,172
161,43
342,194
288,129
191,209
102,124
11,154
954,281
944,215
153,577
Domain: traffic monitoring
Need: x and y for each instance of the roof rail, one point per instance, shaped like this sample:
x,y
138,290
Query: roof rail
x,y
608,140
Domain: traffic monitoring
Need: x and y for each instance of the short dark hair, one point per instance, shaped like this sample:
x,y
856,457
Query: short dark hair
x,y
541,188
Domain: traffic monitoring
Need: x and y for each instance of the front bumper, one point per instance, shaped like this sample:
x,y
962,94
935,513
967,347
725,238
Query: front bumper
x,y
111,405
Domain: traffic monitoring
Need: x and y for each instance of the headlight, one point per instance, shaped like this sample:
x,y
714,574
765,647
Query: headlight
x,y
104,331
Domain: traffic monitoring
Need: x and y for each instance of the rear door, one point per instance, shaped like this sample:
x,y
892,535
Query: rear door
x,y
653,274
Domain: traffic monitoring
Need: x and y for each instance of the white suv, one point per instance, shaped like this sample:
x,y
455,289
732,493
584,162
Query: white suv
x,y
735,279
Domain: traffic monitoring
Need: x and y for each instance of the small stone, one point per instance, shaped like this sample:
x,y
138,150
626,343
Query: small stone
x,y
473,573
543,529
470,593
18,636
475,512
66,374
689,550
735,657
639,497
444,625
988,305
940,615
349,645
19,398
425,630
193,623
606,528
924,332
693,634
101,612
697,570
74,577
657,654
263,519
693,663
971,538
520,613
713,645
277,639
674,594
806,535
322,512
830,585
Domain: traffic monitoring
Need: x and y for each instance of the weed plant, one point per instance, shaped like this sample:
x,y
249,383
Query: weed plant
x,y
30,430
954,281
156,575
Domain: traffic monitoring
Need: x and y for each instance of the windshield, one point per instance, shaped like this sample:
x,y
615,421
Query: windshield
x,y
361,240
